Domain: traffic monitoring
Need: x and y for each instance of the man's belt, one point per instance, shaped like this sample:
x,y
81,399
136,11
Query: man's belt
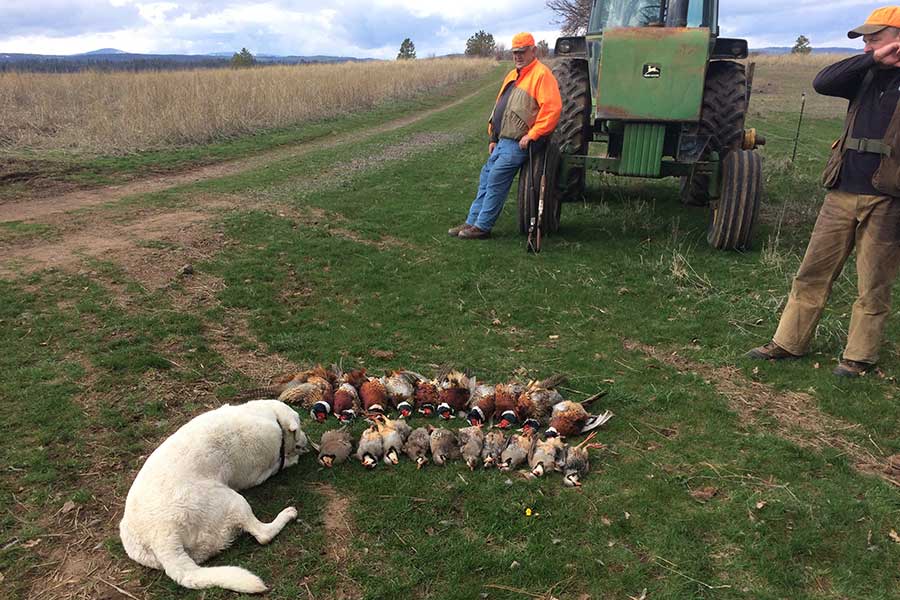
x,y
867,145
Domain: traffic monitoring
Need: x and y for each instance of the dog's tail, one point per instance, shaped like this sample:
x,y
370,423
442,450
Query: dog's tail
x,y
185,572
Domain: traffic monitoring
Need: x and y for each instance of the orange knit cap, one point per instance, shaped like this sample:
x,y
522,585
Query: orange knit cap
x,y
522,40
888,16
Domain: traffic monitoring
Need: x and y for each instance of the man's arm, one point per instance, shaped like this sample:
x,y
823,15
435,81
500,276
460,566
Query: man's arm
x,y
843,78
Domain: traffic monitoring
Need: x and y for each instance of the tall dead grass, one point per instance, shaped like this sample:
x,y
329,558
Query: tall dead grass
x,y
124,112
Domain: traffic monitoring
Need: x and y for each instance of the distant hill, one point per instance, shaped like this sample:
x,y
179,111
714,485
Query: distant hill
x,y
111,59
102,51
787,50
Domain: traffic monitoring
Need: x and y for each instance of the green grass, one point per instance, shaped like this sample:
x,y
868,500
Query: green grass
x,y
87,371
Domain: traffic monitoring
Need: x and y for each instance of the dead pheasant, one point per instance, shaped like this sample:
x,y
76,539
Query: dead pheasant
x,y
453,394
572,418
505,395
374,396
282,384
426,397
535,404
481,404
401,390
578,461
346,397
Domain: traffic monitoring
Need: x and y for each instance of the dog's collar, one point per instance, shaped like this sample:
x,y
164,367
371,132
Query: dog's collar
x,y
281,456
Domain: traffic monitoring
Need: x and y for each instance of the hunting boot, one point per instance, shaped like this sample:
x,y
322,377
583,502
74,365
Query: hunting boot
x,y
852,368
455,231
474,233
771,351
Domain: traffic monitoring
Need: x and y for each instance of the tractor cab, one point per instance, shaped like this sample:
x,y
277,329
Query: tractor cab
x,y
663,95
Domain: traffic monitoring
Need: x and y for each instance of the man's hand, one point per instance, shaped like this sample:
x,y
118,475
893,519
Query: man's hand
x,y
523,143
888,56
491,147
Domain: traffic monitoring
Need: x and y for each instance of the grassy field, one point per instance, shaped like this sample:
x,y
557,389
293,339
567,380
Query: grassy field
x,y
723,478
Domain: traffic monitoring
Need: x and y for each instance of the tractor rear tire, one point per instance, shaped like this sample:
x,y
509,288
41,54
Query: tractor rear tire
x,y
573,132
528,206
732,218
722,119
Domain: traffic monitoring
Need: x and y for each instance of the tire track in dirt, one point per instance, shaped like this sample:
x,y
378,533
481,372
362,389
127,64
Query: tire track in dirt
x,y
96,237
796,415
35,208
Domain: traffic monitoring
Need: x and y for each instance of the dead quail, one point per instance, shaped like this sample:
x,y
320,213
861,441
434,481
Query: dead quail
x,y
371,447
417,446
535,404
505,395
444,446
578,461
481,405
453,394
471,442
494,442
335,447
547,455
393,436
516,452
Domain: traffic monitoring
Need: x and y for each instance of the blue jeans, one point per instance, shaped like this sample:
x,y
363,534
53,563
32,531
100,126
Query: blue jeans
x,y
496,179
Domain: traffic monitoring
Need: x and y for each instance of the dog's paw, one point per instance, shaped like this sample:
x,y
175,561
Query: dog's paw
x,y
290,513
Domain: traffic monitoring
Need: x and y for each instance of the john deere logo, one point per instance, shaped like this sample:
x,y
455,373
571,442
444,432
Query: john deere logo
x,y
652,71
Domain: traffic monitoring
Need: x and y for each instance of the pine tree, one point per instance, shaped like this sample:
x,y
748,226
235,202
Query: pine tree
x,y
480,44
407,50
801,46
243,59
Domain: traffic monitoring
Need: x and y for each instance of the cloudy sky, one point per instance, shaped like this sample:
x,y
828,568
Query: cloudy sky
x,y
362,28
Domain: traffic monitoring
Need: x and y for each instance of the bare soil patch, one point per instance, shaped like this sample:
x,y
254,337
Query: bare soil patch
x,y
339,531
796,415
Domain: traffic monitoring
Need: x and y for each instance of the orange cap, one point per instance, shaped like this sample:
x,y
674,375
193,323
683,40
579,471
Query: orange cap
x,y
522,40
887,16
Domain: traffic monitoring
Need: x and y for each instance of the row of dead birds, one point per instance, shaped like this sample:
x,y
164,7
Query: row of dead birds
x,y
386,440
347,395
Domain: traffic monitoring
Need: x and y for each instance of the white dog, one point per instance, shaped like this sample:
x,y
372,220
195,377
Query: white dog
x,y
183,508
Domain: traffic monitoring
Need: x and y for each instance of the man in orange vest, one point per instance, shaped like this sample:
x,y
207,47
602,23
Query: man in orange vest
x,y
862,207
526,111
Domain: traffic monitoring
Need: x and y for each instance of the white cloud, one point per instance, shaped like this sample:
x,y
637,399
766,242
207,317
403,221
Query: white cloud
x,y
372,28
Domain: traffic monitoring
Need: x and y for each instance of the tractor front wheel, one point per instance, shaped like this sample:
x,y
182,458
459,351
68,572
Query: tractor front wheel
x,y
732,217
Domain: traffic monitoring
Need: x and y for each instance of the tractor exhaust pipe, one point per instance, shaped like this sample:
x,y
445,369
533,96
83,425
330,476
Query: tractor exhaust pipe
x,y
677,13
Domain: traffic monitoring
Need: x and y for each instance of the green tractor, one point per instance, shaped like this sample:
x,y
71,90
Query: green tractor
x,y
658,93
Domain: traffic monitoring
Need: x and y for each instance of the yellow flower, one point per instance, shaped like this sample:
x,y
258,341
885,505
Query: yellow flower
x,y
527,512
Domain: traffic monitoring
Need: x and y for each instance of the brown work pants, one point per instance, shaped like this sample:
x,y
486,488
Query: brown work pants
x,y
872,224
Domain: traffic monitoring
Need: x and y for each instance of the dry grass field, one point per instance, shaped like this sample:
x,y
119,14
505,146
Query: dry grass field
x,y
103,113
